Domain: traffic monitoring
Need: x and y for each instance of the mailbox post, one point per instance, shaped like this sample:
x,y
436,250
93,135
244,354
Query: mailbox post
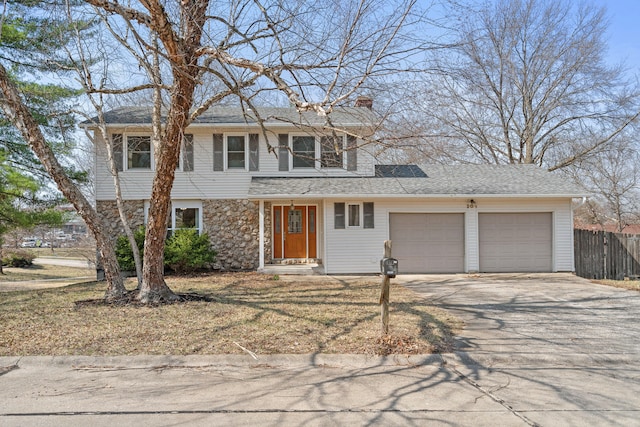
x,y
389,269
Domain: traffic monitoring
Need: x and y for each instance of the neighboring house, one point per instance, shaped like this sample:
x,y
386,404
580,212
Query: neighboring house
x,y
303,201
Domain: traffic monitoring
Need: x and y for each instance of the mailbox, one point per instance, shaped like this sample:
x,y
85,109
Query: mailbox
x,y
389,267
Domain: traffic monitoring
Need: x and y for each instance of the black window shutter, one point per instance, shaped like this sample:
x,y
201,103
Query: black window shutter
x,y
254,152
352,153
339,221
283,152
367,212
118,150
187,153
218,152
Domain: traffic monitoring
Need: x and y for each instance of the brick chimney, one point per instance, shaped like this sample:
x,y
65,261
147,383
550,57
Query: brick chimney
x,y
364,101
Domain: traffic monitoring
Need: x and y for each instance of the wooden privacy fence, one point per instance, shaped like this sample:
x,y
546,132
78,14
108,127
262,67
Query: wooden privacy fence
x,y
606,255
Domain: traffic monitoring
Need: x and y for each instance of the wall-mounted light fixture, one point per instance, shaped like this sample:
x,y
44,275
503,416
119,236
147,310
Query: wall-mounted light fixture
x,y
471,204
292,207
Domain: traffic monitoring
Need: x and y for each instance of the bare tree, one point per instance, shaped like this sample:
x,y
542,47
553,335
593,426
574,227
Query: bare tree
x,y
613,176
314,55
527,83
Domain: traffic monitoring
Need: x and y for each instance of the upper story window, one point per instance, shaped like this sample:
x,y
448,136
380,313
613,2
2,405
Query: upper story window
x,y
331,149
236,152
138,152
321,152
304,151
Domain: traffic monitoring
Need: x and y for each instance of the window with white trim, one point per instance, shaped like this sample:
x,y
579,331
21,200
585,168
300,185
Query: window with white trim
x,y
184,214
138,152
298,151
303,149
353,215
236,151
331,149
353,211
132,151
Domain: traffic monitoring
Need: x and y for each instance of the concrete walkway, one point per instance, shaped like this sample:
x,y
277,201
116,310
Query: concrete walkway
x,y
548,350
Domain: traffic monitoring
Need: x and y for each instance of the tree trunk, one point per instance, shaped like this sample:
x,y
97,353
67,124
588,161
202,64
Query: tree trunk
x,y
184,66
119,200
21,118
154,288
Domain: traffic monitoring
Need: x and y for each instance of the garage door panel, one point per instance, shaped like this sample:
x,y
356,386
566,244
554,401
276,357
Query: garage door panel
x,y
515,242
428,243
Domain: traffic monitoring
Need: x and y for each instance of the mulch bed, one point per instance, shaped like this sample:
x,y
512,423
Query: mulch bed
x,y
130,298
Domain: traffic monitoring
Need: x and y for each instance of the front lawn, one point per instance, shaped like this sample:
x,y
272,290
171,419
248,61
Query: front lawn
x,y
246,312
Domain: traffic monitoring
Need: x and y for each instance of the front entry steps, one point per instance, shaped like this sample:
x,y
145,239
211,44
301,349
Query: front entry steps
x,y
300,267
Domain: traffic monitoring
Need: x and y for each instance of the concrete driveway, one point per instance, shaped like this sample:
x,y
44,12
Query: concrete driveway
x,y
555,348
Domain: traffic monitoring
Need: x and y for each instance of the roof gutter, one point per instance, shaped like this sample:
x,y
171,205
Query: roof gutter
x,y
227,125
413,196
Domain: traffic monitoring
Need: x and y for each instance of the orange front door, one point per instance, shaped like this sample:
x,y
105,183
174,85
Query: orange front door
x,y
294,231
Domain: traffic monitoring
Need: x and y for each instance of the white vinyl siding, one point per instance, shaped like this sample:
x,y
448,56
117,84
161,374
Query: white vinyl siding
x,y
352,249
359,250
205,183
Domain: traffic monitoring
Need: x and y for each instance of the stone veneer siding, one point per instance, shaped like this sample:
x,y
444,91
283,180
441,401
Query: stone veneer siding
x,y
234,229
108,210
232,225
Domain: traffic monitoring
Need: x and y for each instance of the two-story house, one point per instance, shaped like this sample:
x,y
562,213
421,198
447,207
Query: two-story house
x,y
292,190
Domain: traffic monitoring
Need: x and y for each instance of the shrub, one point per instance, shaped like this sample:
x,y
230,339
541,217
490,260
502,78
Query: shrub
x,y
124,254
18,258
186,251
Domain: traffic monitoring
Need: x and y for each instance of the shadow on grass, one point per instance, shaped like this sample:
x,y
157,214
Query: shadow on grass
x,y
316,314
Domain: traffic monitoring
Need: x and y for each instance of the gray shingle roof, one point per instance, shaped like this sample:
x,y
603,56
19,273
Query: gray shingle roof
x,y
234,115
458,180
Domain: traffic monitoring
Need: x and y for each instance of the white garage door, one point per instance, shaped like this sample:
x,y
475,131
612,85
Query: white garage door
x,y
515,242
428,243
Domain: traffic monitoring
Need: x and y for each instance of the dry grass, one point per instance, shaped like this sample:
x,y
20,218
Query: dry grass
x,y
290,315
633,285
44,272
